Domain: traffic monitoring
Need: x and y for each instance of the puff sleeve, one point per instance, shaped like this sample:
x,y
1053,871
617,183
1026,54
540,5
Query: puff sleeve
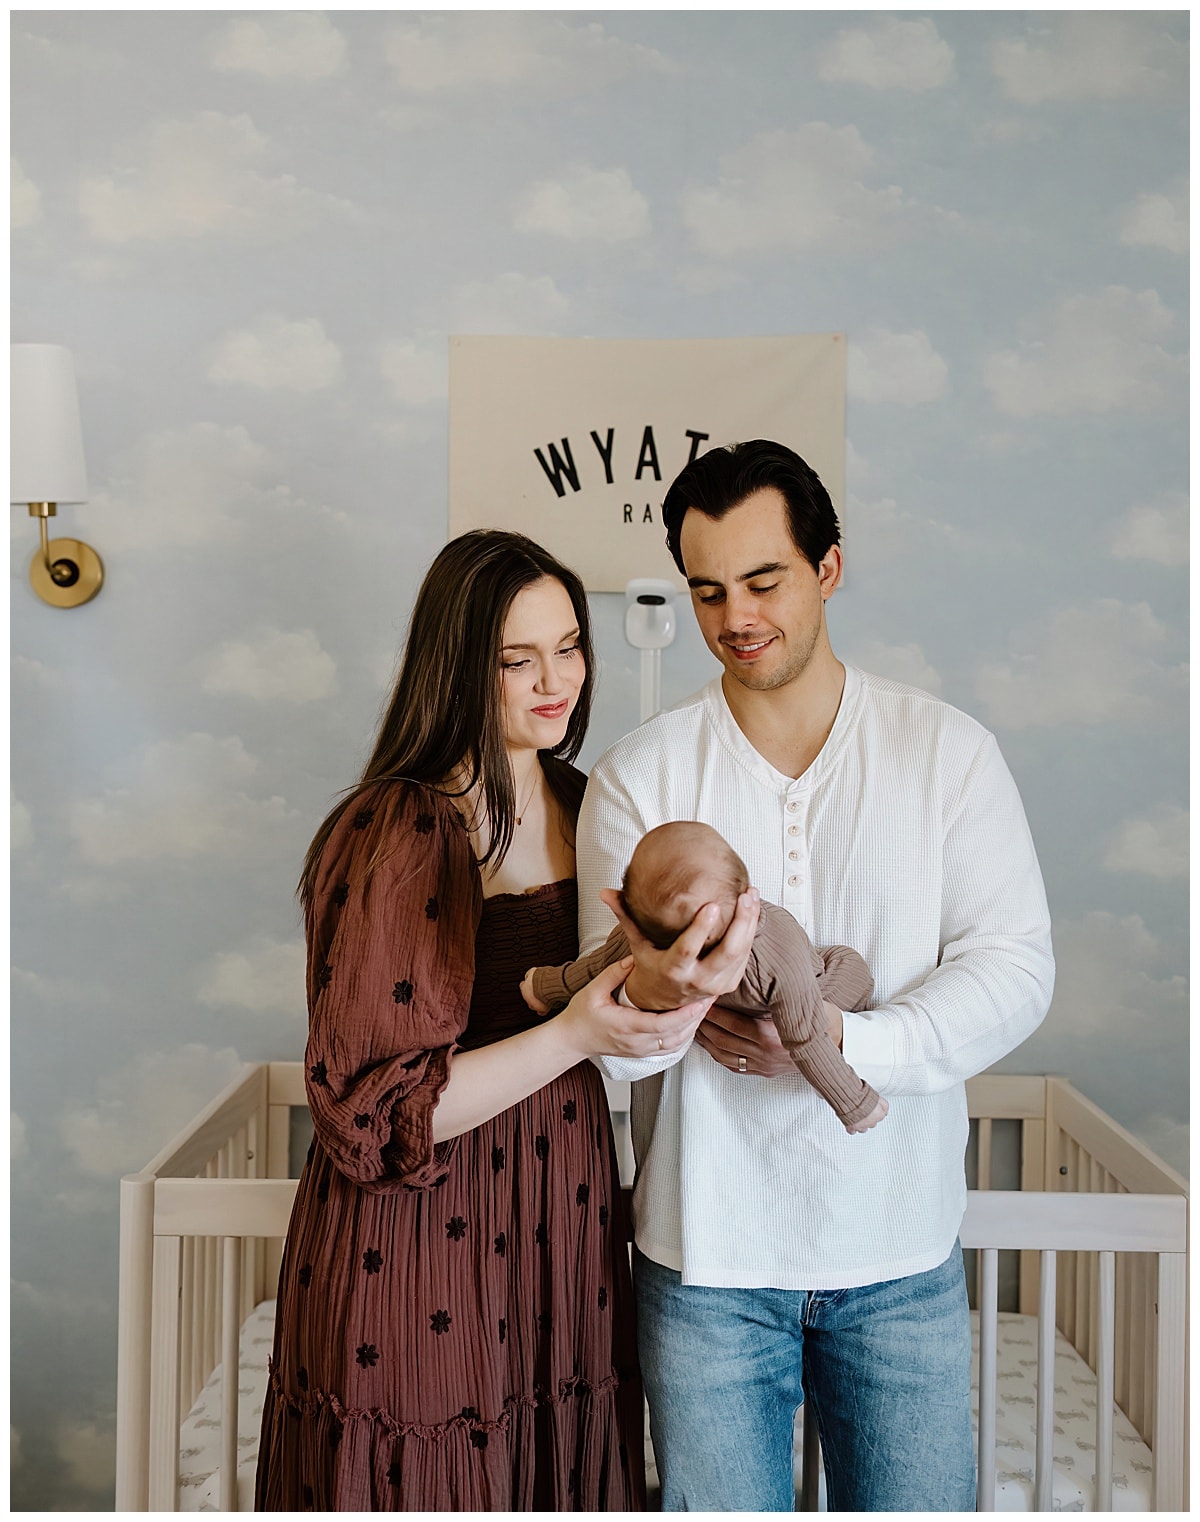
x,y
391,964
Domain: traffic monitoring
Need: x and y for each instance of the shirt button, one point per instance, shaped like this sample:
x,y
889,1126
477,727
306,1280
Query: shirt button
x,y
793,855
793,880
793,807
793,829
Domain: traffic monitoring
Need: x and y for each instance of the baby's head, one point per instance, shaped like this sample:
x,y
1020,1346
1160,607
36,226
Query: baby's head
x,y
676,869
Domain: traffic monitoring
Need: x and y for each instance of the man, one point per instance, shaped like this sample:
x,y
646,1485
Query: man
x,y
778,1258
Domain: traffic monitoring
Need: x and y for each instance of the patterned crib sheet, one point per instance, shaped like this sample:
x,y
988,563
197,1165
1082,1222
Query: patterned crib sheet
x,y
1074,1426
1016,1407
200,1434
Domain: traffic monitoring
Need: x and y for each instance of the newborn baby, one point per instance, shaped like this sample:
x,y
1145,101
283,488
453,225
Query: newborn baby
x,y
676,869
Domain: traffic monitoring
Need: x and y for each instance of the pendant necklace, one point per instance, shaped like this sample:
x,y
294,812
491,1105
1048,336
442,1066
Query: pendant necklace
x,y
529,799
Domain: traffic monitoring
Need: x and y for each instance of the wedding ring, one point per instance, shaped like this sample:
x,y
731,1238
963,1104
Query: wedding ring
x,y
660,1045
741,1064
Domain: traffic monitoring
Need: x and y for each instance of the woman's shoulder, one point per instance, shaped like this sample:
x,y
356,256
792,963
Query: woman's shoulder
x,y
396,816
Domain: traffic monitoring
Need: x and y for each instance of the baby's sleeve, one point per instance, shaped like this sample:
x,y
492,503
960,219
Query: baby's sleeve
x,y
556,986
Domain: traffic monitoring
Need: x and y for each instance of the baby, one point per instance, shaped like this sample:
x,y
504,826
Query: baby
x,y
676,869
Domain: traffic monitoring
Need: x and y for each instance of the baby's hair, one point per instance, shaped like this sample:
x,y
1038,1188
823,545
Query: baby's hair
x,y
700,867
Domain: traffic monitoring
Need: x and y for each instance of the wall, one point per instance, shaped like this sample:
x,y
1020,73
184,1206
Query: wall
x,y
256,232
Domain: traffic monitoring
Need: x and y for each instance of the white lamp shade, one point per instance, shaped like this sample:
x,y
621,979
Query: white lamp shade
x,y
46,443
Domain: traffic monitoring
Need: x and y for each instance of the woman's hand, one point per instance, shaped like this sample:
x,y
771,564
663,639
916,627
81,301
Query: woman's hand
x,y
744,1044
663,980
597,1026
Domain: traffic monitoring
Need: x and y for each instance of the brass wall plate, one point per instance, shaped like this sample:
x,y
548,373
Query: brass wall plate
x,y
84,578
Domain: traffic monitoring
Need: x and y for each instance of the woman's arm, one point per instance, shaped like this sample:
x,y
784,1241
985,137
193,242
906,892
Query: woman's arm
x,y
488,1080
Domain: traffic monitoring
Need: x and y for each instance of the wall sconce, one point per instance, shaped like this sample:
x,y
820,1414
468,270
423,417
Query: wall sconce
x,y
46,460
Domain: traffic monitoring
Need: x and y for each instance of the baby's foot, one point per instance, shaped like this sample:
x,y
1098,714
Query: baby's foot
x,y
870,1120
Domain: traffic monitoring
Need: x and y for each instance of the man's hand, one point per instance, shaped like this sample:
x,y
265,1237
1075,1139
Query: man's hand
x,y
669,979
728,1037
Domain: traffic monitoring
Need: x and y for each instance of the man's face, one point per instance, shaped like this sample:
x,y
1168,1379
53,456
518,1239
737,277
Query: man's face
x,y
759,604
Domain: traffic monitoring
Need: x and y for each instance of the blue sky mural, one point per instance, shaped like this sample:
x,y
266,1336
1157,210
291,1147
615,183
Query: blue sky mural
x,y
256,231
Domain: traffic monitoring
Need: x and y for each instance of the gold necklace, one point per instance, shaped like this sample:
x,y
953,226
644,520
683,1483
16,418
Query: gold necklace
x,y
532,788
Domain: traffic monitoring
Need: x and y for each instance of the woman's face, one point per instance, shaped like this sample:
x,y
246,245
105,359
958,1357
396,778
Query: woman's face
x,y
541,666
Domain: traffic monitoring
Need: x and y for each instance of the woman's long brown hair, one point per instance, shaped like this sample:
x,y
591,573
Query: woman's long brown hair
x,y
445,716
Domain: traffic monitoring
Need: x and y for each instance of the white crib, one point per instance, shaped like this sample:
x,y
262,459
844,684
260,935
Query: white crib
x,y
1091,1239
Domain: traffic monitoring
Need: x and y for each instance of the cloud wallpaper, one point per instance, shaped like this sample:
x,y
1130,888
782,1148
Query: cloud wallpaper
x,y
256,231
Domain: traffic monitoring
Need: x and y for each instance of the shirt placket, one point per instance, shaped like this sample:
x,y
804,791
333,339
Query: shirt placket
x,y
797,868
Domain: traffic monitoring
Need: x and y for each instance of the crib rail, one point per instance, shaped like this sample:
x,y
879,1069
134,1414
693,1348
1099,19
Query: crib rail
x,y
1153,1228
1100,1225
201,1226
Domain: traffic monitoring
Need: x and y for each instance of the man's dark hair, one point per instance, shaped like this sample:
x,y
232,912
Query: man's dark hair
x,y
726,476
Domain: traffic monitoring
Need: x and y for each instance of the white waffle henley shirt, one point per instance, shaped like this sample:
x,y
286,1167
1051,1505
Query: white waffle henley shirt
x,y
905,839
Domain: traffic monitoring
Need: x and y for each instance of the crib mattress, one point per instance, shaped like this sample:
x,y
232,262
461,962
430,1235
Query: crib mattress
x,y
1016,1375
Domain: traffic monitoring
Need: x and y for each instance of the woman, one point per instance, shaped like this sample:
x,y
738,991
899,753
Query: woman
x,y
455,1318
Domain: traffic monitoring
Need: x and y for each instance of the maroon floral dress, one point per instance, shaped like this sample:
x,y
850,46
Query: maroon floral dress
x,y
455,1324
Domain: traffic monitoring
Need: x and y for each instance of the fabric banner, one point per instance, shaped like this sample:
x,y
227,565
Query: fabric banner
x,y
574,441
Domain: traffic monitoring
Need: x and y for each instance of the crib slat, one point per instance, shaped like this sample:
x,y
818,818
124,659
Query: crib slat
x,y
1043,1484
988,1317
164,1377
231,1263
985,1153
187,1306
195,1334
1105,1338
1170,1452
1153,1329
1121,1319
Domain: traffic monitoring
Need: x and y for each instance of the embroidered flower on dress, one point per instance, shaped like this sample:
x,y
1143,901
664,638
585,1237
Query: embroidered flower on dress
x,y
542,1147
372,1260
367,1355
440,1322
424,823
456,1228
500,1246
319,1074
305,1275
479,1439
602,1296
581,1195
497,1159
325,976
604,1215
431,909
403,992
569,1112
362,1121
503,1330
363,818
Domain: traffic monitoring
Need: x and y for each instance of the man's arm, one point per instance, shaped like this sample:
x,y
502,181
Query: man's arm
x,y
995,975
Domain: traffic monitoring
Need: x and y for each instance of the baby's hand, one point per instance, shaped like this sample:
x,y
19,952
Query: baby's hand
x,y
531,999
870,1120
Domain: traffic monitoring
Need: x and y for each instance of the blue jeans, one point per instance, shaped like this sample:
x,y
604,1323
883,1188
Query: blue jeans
x,y
886,1370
